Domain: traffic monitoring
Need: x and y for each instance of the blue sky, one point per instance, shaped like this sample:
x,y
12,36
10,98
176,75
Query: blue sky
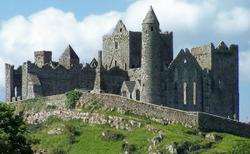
x,y
28,25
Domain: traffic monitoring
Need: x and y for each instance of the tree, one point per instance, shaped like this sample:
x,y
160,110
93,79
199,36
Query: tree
x,y
12,132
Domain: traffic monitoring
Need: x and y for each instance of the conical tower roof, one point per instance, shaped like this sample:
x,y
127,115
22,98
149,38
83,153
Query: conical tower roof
x,y
150,17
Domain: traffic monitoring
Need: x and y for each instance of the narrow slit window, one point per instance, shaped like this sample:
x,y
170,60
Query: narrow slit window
x,y
116,45
194,93
185,93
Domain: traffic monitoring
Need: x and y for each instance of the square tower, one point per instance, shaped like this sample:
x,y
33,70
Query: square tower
x,y
42,58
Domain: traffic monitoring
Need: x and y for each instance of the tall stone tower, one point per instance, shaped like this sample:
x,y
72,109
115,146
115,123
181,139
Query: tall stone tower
x,y
151,59
98,81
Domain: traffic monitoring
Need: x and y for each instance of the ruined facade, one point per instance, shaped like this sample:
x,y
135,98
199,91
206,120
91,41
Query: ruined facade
x,y
140,66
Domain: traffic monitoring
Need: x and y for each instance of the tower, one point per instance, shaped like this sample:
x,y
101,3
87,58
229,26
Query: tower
x,y
42,57
151,59
97,84
9,82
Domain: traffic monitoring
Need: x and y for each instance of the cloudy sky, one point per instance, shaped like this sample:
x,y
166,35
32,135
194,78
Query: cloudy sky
x,y
28,26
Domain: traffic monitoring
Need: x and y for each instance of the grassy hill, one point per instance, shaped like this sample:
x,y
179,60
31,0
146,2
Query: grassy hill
x,y
126,133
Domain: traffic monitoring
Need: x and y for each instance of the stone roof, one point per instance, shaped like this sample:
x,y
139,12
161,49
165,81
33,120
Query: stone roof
x,y
69,52
120,27
151,17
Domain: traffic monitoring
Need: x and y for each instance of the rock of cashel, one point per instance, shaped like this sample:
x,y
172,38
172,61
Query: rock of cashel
x,y
139,66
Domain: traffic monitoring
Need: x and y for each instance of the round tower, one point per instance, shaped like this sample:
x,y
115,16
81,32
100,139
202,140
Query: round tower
x,y
151,60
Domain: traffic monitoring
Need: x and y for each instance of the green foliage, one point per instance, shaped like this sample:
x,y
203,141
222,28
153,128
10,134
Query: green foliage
x,y
52,119
71,99
51,107
35,104
130,148
238,148
72,132
110,135
58,151
12,132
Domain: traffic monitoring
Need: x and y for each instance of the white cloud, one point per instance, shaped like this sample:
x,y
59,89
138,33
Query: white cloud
x,y
52,29
172,14
244,64
234,21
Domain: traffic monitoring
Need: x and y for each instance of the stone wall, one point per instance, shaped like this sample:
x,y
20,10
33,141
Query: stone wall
x,y
209,122
203,121
167,115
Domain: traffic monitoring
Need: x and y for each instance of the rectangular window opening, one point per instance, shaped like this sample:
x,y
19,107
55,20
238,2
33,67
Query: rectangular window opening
x,y
116,45
185,93
194,93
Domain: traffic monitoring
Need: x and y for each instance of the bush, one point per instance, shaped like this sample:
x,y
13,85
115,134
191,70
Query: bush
x,y
71,99
13,132
112,136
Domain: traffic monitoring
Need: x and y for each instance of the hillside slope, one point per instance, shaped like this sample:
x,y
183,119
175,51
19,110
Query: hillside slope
x,y
96,129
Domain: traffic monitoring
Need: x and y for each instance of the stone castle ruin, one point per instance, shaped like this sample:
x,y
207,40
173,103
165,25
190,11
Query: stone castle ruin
x,y
139,66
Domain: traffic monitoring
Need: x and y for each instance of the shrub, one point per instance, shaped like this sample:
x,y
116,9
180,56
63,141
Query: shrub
x,y
13,132
112,136
71,98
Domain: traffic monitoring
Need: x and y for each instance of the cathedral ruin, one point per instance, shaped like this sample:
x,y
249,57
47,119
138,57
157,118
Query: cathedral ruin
x,y
139,66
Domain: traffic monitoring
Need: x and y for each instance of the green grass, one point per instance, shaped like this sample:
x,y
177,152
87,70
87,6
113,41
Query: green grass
x,y
90,141
37,104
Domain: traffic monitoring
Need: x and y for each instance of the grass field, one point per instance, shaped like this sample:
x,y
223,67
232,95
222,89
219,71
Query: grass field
x,y
78,137
89,140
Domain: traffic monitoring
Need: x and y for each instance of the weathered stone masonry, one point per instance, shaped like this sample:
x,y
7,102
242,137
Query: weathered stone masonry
x,y
139,66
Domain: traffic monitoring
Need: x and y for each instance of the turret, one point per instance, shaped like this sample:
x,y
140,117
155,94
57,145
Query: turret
x,y
151,59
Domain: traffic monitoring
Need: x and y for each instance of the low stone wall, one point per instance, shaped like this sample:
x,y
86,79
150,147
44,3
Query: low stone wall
x,y
203,121
167,115
208,122
200,120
